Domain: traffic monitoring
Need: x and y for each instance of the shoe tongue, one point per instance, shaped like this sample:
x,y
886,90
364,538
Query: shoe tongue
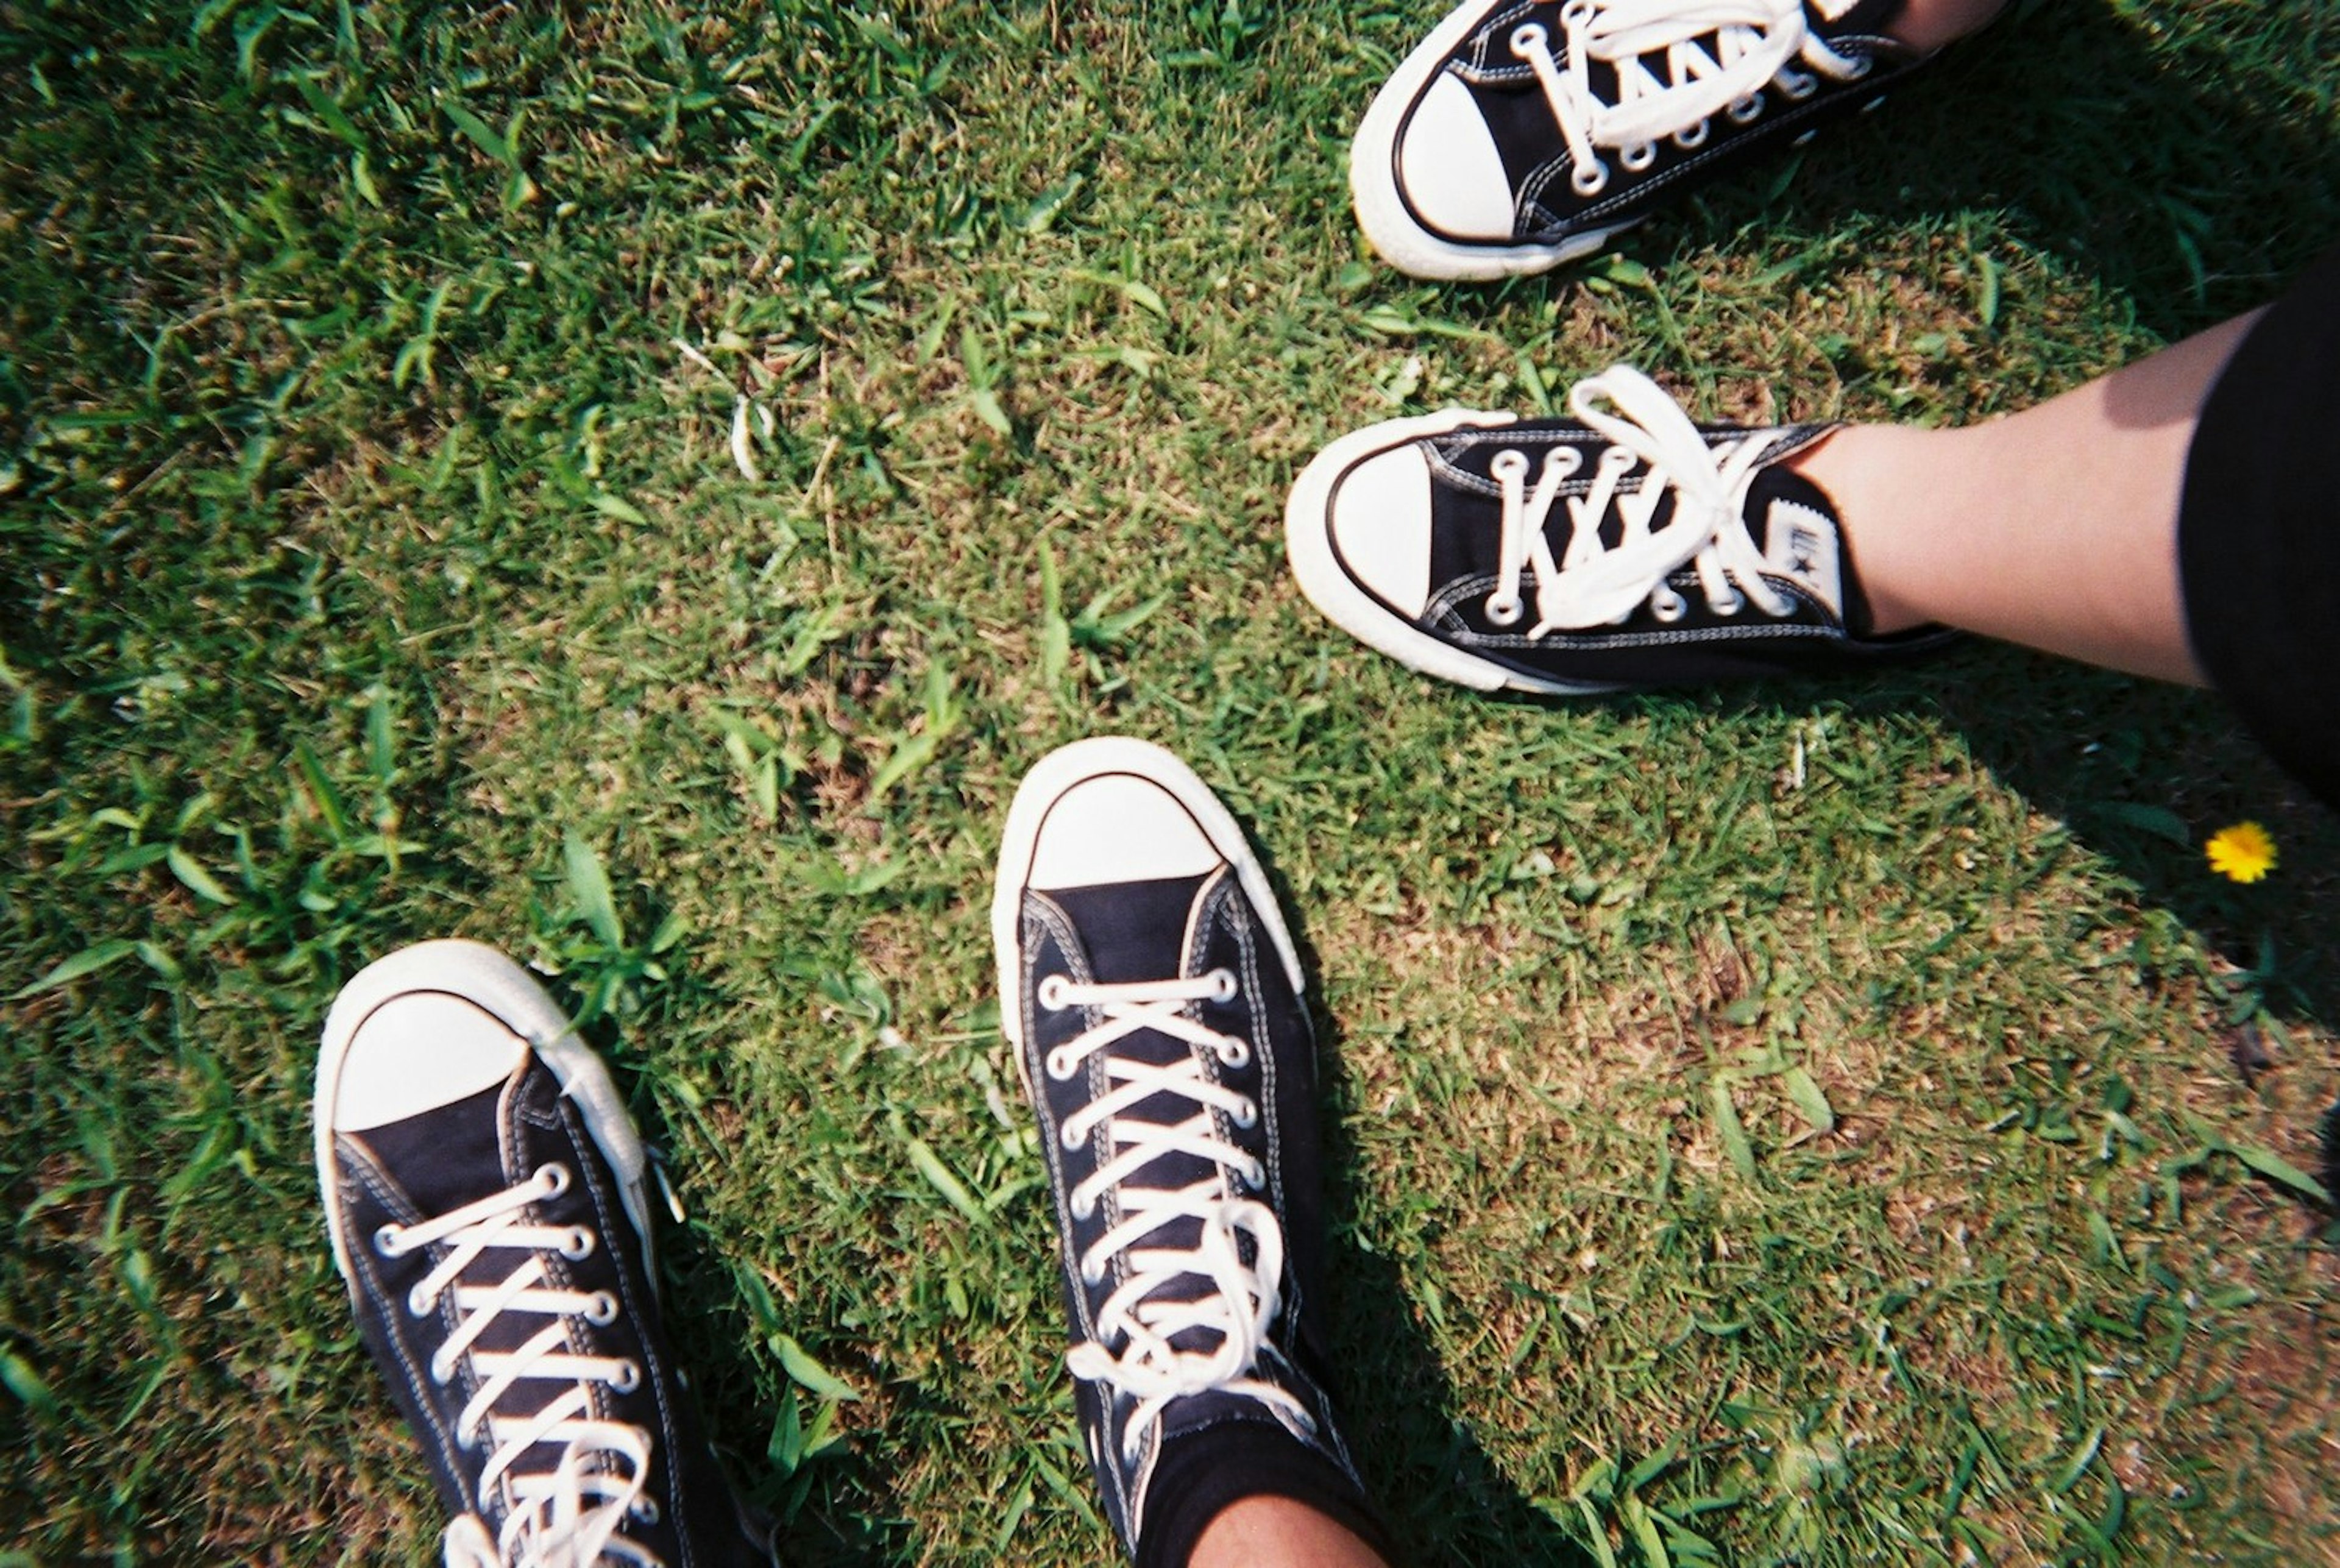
x,y
451,1154
1790,522
1135,932
475,1148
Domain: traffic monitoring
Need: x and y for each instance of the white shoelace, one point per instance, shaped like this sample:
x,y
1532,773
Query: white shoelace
x,y
1242,1306
1586,585
570,1517
1754,41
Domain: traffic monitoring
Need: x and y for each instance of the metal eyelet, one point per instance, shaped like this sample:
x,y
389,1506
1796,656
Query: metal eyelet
x,y
389,1240
1223,985
1256,1178
553,1177
417,1304
1247,1115
1235,1052
1052,992
1082,1209
1796,84
1667,606
646,1510
602,1310
1861,68
1691,140
1638,156
1505,610
1068,1141
628,1376
1091,1275
1062,1066
1508,464
579,1244
1746,111
1731,606
1589,179
1529,37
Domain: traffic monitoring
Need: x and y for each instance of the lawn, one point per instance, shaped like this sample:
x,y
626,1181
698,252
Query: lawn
x,y
638,483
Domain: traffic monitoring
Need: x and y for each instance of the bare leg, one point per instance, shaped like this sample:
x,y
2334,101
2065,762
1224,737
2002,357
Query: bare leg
x,y
2056,527
1930,23
1259,1532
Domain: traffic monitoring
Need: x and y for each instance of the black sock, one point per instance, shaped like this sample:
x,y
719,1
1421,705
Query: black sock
x,y
1202,1473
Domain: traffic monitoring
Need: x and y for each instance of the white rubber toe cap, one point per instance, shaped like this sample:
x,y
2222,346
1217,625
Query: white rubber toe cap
x,y
1380,522
1449,168
417,1052
1118,827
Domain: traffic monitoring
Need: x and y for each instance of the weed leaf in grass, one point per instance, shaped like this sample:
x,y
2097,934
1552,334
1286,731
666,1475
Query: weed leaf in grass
x,y
938,1175
987,409
1809,1100
1099,626
914,753
21,1380
1596,1536
322,793
588,884
88,961
616,506
1017,1506
381,735
813,630
1645,1533
195,878
328,113
1041,215
763,763
2277,1168
2078,1466
1056,633
916,750
1135,293
809,1374
1731,1130
496,145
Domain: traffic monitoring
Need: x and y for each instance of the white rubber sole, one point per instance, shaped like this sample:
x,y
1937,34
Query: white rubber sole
x,y
1045,784
1308,546
1381,212
493,983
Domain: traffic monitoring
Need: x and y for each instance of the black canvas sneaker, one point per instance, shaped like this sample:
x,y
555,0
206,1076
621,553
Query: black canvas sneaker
x,y
1623,549
1518,136
485,1190
1152,994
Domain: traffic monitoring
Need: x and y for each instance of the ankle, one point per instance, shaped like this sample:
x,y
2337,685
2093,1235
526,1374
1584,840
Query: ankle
x,y
1927,25
1261,1531
1864,472
1250,1492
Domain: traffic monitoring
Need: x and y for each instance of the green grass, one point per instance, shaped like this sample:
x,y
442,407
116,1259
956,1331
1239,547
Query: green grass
x,y
1800,1125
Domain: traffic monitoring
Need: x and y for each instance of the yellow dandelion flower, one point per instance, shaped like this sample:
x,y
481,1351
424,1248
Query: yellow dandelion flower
x,y
2242,853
